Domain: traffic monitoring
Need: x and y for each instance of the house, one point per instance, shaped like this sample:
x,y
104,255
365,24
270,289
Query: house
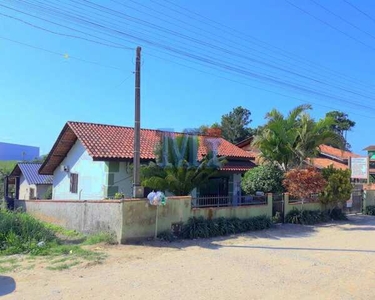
x,y
327,156
29,184
93,162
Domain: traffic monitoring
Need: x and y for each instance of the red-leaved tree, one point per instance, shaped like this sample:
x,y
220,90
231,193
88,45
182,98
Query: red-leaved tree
x,y
301,183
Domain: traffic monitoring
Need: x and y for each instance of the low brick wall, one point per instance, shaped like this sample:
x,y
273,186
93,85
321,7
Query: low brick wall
x,y
83,216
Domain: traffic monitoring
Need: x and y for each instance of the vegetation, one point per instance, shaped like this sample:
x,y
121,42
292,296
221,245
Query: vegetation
x,y
311,217
177,169
302,183
289,141
265,178
202,228
338,188
48,193
234,125
370,210
20,233
342,125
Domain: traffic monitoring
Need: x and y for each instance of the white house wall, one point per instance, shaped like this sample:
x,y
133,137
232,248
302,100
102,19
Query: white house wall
x,y
24,191
91,176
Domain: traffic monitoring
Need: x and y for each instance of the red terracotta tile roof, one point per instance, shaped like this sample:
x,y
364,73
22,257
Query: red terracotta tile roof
x,y
336,153
321,162
108,141
116,142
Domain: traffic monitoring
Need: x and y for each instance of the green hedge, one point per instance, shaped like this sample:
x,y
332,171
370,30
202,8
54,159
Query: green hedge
x,y
310,217
370,210
202,228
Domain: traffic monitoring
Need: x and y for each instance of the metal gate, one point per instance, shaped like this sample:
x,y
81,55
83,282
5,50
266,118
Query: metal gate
x,y
355,204
278,207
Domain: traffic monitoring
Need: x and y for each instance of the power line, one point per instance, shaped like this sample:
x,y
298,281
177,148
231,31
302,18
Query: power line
x,y
246,37
233,46
256,87
329,25
224,66
185,54
57,33
342,19
63,55
359,10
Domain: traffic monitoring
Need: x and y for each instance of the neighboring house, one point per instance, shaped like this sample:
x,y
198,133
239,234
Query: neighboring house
x,y
29,184
371,156
93,162
18,152
327,155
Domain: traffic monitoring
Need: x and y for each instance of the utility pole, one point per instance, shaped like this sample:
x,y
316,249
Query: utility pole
x,y
137,188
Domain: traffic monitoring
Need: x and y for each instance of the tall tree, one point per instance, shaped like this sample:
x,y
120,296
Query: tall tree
x,y
342,125
234,125
289,141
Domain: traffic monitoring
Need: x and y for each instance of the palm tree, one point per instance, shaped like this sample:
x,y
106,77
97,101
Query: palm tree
x,y
179,175
289,141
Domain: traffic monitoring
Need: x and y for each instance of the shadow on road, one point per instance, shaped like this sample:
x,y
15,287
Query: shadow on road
x,y
7,285
298,248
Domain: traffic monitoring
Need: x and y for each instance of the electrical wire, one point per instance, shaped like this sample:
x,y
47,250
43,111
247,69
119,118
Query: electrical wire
x,y
329,25
63,55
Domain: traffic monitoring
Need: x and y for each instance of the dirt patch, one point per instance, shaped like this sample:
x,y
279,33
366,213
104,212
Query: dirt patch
x,y
332,261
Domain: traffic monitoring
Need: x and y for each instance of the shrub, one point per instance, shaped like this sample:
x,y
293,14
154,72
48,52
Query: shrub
x,y
370,210
21,233
301,183
167,236
265,178
202,228
337,214
338,188
311,217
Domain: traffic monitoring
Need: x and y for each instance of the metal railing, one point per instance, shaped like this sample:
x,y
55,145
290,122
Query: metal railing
x,y
226,201
313,198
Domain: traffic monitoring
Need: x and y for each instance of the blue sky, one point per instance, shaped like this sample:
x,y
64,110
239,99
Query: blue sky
x,y
40,91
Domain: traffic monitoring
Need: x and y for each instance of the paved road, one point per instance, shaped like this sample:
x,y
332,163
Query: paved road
x,y
334,261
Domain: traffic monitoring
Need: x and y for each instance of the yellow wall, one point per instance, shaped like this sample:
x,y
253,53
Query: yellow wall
x,y
139,217
368,198
306,206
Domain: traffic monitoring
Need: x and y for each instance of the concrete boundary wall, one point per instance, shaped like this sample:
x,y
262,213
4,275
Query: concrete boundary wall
x,y
289,206
131,219
84,216
368,198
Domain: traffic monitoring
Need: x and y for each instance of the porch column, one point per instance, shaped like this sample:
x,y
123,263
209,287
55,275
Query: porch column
x,y
6,187
17,188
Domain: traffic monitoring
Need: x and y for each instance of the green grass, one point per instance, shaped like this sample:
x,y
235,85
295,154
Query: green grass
x,y
101,237
63,231
21,233
64,266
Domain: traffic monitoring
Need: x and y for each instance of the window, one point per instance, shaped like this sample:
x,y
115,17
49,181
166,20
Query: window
x,y
74,183
32,193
